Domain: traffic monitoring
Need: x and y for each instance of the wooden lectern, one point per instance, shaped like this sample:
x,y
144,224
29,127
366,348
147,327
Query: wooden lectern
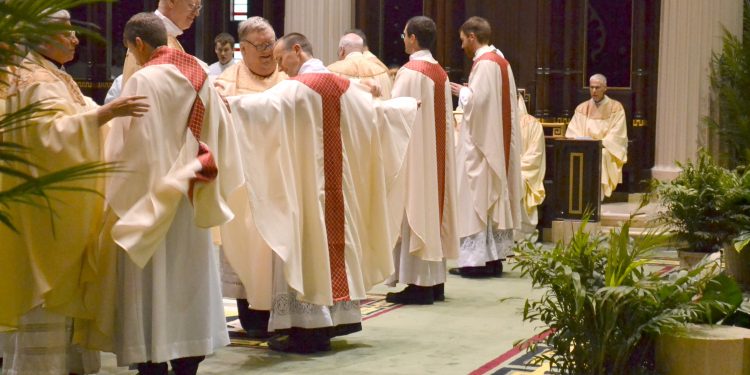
x,y
577,178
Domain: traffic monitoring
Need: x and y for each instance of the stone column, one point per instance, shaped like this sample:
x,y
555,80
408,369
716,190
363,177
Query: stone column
x,y
690,32
323,22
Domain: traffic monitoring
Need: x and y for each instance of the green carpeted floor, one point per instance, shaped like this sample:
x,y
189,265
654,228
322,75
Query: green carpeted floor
x,y
472,332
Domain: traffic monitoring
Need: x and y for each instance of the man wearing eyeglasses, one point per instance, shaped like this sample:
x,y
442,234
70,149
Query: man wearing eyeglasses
x,y
428,232
242,246
177,15
320,172
258,71
43,266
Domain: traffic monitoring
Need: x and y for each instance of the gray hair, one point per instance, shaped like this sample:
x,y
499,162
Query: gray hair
x,y
352,42
599,77
60,16
253,24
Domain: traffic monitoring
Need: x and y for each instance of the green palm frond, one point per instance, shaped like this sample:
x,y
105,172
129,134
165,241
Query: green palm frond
x,y
604,308
34,191
23,25
730,79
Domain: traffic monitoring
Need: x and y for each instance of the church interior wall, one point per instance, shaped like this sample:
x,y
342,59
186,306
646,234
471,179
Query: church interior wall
x,y
553,46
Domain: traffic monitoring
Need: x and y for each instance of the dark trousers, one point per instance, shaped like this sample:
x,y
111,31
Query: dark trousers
x,y
180,366
252,321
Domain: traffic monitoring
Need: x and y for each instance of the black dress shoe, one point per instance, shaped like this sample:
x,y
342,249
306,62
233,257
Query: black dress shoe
x,y
438,292
258,334
298,344
254,322
412,295
471,272
495,268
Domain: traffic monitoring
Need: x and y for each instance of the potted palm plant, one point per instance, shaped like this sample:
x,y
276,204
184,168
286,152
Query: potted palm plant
x,y
736,204
695,209
604,307
730,81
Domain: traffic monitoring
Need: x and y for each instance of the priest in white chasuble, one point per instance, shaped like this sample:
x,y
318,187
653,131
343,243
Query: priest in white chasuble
x,y
533,167
240,238
429,229
48,263
603,118
321,162
258,71
488,157
354,64
178,16
183,163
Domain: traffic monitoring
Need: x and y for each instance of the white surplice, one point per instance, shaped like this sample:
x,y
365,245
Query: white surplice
x,y
533,167
169,301
489,196
285,179
425,240
215,69
604,121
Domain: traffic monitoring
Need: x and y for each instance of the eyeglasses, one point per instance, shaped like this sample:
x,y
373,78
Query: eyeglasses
x,y
261,47
403,35
195,8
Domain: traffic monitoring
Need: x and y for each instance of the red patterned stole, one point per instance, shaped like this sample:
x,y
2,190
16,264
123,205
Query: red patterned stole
x,y
189,67
331,88
507,126
438,76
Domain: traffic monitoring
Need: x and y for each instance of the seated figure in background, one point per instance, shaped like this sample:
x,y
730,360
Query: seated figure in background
x,y
602,118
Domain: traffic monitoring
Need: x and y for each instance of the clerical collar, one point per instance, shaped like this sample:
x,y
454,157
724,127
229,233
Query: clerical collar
x,y
313,66
172,29
424,54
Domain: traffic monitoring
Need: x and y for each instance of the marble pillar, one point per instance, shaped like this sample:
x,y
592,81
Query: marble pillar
x,y
323,22
690,32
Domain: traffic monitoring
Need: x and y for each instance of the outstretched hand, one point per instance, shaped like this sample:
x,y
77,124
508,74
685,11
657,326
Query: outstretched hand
x,y
373,86
456,88
134,106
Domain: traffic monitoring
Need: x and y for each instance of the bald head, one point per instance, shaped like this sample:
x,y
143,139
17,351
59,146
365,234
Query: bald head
x,y
349,43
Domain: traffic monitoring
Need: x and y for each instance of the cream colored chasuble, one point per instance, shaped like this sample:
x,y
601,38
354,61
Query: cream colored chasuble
x,y
53,257
605,122
284,173
431,239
